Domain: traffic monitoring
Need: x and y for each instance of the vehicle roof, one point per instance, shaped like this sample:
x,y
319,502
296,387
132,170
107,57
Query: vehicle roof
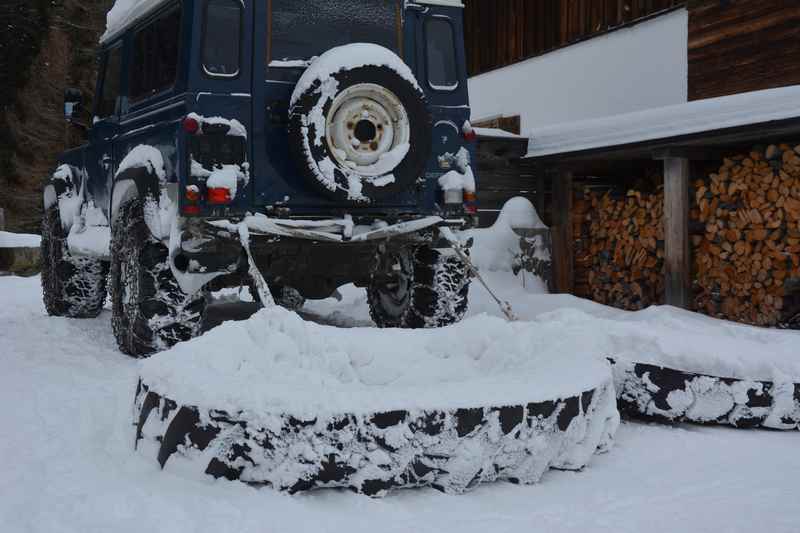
x,y
125,13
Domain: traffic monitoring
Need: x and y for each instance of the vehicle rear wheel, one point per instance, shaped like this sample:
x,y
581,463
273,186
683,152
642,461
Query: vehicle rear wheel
x,y
150,311
419,288
73,287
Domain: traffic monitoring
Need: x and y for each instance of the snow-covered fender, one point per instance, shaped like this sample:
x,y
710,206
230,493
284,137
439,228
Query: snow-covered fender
x,y
65,189
141,174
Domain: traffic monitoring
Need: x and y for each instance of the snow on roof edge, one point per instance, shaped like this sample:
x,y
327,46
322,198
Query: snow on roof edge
x,y
665,122
125,13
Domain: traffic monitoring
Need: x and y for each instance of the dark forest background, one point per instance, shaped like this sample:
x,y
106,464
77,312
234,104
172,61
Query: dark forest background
x,y
45,46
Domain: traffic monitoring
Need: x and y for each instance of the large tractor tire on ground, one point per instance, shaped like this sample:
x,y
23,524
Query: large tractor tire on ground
x,y
150,311
419,288
360,133
73,287
452,450
662,394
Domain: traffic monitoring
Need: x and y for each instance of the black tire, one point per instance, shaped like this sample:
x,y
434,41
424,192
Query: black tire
x,y
309,154
430,289
73,287
286,297
150,312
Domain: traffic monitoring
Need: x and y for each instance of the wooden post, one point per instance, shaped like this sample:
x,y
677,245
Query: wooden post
x,y
676,228
562,233
2,219
540,192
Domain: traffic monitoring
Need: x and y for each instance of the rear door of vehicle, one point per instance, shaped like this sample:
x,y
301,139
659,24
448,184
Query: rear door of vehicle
x,y
295,32
439,62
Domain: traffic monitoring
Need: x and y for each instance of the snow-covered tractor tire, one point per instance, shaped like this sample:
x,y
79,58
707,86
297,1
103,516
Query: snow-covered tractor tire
x,y
73,287
419,288
662,394
150,311
371,453
362,133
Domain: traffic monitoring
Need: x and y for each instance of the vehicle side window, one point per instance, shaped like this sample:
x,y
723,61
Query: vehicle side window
x,y
155,56
441,54
222,38
107,104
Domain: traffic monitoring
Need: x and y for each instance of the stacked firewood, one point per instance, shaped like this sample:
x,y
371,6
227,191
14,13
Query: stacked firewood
x,y
619,248
747,257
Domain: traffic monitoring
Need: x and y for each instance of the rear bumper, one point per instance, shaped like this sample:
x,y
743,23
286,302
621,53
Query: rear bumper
x,y
209,246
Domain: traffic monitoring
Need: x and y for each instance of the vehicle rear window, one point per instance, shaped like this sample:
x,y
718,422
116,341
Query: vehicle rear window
x,y
155,56
441,54
301,30
107,104
222,38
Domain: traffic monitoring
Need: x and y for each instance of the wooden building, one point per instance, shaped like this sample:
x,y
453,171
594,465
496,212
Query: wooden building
x,y
701,211
734,46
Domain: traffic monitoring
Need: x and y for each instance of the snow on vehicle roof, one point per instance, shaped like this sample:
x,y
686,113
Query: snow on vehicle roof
x,y
126,12
448,3
665,122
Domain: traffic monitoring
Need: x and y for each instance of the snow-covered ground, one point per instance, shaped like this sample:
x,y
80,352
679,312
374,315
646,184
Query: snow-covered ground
x,y
19,240
67,445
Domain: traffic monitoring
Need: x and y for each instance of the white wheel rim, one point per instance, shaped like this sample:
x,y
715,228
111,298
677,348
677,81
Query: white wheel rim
x,y
366,124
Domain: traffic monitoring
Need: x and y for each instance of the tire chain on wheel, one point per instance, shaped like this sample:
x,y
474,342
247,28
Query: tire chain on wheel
x,y
73,287
439,293
158,314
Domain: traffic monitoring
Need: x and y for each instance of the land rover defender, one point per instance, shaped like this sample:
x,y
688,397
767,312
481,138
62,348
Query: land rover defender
x,y
335,133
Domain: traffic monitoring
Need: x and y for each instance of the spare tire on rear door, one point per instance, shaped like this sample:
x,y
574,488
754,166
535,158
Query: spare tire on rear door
x,y
359,128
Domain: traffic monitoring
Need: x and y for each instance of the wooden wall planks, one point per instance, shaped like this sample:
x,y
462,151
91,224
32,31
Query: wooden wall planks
x,y
502,32
742,45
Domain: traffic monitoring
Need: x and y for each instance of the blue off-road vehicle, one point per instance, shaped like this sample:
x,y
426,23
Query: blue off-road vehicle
x,y
328,142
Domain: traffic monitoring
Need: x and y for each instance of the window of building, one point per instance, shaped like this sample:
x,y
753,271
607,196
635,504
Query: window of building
x,y
441,54
222,38
302,30
107,104
155,56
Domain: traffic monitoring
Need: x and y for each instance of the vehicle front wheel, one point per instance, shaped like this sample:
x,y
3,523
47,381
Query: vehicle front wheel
x,y
150,311
73,287
419,288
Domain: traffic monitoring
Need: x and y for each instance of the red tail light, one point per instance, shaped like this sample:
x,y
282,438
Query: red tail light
x,y
471,203
469,133
193,193
219,195
191,125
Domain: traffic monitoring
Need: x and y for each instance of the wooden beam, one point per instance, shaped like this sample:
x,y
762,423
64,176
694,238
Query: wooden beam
x,y
563,275
676,229
540,192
